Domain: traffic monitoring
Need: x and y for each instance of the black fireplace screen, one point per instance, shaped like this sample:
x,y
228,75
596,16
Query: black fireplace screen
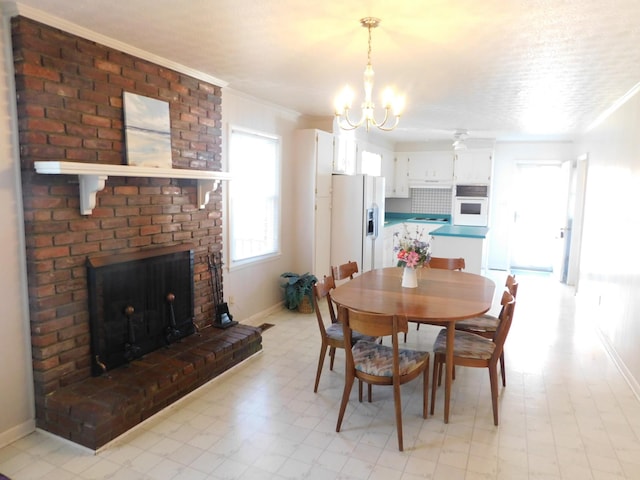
x,y
138,302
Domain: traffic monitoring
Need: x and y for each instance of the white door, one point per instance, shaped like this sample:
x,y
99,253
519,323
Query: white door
x,y
561,264
577,194
540,199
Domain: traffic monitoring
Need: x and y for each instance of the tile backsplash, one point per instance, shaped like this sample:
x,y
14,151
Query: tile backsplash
x,y
431,200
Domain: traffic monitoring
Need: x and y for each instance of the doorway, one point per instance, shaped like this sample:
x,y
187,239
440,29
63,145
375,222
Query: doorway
x,y
539,215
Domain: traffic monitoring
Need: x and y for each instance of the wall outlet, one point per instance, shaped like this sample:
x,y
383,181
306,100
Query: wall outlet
x,y
232,300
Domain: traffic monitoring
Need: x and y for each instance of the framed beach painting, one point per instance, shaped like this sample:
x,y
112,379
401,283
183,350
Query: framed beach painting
x,y
147,131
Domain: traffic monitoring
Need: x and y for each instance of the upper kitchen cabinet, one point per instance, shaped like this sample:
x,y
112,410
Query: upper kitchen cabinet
x,y
473,166
345,155
430,168
395,169
315,150
389,174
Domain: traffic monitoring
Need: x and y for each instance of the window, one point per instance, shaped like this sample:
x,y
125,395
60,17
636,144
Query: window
x,y
254,196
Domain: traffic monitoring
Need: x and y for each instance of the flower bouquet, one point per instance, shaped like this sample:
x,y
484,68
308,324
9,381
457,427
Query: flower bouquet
x,y
412,251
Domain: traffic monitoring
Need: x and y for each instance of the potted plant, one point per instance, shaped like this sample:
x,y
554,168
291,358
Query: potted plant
x,y
298,291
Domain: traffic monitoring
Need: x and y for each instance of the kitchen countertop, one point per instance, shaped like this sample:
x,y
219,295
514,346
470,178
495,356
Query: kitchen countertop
x,y
461,231
395,218
445,230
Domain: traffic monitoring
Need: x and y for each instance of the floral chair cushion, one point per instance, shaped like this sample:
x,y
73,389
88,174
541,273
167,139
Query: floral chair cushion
x,y
375,359
336,332
467,345
485,323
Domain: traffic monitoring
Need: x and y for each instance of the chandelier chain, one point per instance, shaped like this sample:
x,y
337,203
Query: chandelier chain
x,y
369,51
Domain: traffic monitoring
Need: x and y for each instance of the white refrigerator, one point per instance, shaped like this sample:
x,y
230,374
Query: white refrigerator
x,y
357,220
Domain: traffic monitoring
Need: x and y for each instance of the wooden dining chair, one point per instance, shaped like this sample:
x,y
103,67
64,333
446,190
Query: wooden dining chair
x,y
332,335
486,325
377,364
471,350
443,263
344,271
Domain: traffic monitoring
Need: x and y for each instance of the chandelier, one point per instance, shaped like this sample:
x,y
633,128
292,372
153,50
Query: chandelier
x,y
392,103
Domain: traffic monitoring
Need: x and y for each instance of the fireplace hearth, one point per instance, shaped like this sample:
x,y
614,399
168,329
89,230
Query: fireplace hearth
x,y
138,302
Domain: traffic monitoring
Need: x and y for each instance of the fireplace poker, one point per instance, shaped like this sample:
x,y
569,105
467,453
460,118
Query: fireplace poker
x,y
223,318
214,280
172,333
131,349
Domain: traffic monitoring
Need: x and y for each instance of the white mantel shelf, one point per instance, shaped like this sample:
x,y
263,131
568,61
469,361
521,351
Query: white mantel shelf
x,y
92,177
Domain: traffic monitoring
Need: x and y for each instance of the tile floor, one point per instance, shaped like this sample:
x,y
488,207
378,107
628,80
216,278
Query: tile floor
x,y
566,413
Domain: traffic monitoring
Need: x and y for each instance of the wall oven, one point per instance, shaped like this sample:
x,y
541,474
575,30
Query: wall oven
x,y
471,205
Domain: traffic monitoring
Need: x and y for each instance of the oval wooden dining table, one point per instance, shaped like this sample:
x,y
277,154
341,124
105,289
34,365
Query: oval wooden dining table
x,y
442,297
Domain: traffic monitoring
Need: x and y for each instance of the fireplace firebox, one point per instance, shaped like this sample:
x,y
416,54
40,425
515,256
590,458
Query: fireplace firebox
x,y
138,302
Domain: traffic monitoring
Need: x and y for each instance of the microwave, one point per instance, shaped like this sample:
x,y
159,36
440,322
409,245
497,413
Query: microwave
x,y
476,191
471,211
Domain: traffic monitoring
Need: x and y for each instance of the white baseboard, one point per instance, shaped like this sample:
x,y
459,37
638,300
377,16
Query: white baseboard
x,y
626,374
17,432
258,318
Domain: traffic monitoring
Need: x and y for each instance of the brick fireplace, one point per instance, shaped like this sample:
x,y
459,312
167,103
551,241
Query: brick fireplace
x,y
69,93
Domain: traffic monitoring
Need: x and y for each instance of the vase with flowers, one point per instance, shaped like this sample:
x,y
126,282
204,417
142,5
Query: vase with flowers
x,y
413,251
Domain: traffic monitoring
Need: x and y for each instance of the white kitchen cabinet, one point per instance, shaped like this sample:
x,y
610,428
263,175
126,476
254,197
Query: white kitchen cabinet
x,y
473,166
401,176
388,172
314,164
395,170
322,237
431,168
345,155
471,249
324,155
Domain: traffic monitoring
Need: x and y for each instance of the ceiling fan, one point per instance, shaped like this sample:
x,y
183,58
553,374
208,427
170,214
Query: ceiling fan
x,y
459,138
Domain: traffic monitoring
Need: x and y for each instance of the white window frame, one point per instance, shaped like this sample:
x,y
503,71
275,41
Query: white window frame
x,y
238,213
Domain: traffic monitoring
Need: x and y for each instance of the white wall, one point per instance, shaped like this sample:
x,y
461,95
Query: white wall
x,y
610,258
17,415
506,156
256,288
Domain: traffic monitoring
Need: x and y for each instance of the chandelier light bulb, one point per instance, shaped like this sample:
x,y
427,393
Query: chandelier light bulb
x,y
344,100
398,105
393,104
388,97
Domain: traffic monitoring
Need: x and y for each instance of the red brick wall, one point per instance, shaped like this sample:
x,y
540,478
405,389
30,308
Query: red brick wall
x,y
69,94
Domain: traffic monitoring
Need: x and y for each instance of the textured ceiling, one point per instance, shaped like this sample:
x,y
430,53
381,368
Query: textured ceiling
x,y
506,69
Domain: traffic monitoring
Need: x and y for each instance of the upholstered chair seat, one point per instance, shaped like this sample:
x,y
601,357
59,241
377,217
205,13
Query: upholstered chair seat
x,y
374,359
468,345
